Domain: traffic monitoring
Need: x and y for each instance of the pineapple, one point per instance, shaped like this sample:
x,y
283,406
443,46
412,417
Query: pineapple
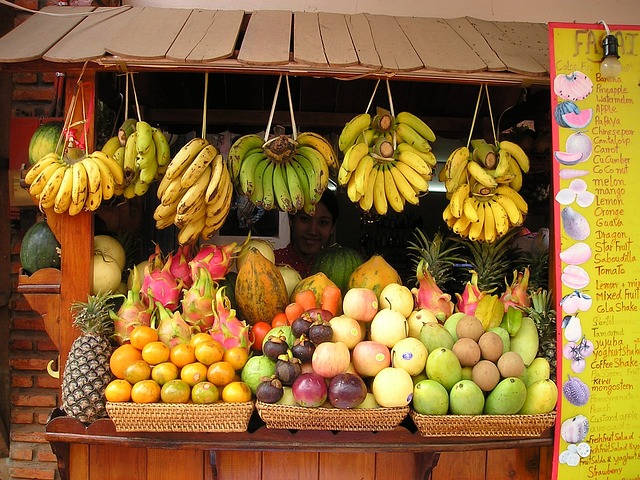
x,y
86,373
544,316
440,255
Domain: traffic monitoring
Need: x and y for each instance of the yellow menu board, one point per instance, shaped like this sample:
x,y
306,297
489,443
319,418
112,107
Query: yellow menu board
x,y
596,187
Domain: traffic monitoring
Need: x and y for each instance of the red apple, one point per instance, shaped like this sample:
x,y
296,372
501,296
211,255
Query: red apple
x,y
370,357
331,358
360,304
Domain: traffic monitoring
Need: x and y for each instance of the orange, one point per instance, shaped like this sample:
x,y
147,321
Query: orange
x,y
236,356
205,392
236,392
175,391
155,353
200,337
163,372
141,335
209,352
193,373
146,391
182,354
220,373
118,390
137,371
122,357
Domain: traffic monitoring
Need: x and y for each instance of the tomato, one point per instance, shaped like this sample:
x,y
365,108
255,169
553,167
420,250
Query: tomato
x,y
280,320
259,330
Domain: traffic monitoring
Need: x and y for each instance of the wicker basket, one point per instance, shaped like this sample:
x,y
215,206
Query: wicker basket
x,y
292,417
180,417
482,425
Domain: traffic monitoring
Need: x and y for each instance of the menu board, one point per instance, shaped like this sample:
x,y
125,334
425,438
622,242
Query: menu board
x,y
596,186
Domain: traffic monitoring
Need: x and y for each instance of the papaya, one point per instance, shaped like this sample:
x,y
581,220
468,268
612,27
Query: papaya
x,y
316,283
375,274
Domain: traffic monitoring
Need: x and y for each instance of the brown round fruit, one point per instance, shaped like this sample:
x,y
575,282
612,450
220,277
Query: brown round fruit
x,y
469,327
467,351
510,364
486,375
490,345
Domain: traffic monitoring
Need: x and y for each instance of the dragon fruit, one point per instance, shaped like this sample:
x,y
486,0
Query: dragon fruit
x,y
159,285
467,302
216,259
227,328
428,295
172,329
197,302
516,294
180,264
133,311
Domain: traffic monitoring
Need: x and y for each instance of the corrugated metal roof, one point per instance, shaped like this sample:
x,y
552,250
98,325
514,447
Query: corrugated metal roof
x,y
364,44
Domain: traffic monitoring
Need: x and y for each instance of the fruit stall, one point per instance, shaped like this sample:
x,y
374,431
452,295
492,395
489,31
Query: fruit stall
x,y
377,364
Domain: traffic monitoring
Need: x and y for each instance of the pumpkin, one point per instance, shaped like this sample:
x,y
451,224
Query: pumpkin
x,y
39,248
260,289
337,263
375,274
45,140
316,283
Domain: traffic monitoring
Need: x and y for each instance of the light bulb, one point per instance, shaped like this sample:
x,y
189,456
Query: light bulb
x,y
610,67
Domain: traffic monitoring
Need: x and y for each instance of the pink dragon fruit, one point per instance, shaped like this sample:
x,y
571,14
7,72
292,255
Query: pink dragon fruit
x,y
159,285
227,328
428,295
467,302
197,302
516,294
180,264
172,329
133,311
216,259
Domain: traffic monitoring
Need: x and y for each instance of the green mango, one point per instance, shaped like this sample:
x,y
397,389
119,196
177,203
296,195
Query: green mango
x,y
539,369
466,398
541,398
507,398
526,341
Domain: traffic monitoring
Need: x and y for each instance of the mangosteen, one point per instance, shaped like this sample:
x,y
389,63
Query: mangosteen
x,y
269,390
275,346
303,348
301,325
320,331
288,368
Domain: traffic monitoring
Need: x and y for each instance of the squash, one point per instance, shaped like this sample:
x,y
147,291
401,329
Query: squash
x,y
45,140
316,283
260,290
375,274
337,263
39,248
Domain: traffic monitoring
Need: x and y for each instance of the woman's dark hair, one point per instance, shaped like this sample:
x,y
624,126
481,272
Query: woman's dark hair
x,y
331,202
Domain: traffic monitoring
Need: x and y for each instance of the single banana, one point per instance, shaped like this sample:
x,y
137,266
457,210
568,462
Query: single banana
x,y
307,206
111,145
458,198
191,231
220,204
352,129
239,149
173,192
257,190
163,149
63,197
94,199
517,153
198,165
268,195
219,175
407,134
183,158
324,147
47,197
513,212
461,226
148,165
520,202
296,192
144,137
405,188
214,219
344,176
456,163
130,154
448,217
37,186
195,193
353,155
367,136
139,187
118,156
246,177
489,224
79,188
197,211
37,168
481,175
281,189
320,168
93,174
416,162
419,182
162,212
221,190
470,209
501,218
379,196
516,171
428,157
112,164
352,193
502,168
107,180
361,174
366,201
476,229
417,124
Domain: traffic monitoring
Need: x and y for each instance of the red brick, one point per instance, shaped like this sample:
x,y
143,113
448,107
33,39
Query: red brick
x,y
20,304
45,455
32,322
29,363
33,471
21,381
21,344
47,381
32,94
33,400
42,418
49,77
27,436
19,416
46,345
21,452
25,78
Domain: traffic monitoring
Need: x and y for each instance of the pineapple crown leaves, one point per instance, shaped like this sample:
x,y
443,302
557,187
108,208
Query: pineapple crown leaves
x,y
92,316
440,254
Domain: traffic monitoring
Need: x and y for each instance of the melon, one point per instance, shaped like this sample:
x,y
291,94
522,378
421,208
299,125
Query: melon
x,y
562,109
39,248
579,142
568,158
337,263
578,120
45,139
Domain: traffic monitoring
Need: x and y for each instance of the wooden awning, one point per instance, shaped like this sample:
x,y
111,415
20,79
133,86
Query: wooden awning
x,y
329,44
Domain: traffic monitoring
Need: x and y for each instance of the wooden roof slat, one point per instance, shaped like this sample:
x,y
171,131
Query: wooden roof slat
x,y
394,48
307,41
267,39
86,41
338,46
33,37
207,35
477,42
439,46
148,32
531,37
515,59
360,32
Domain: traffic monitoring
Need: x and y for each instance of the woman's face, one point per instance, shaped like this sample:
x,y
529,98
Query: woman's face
x,y
310,233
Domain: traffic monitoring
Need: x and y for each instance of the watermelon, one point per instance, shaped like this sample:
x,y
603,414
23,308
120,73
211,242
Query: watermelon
x,y
337,263
579,120
39,248
562,109
45,140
